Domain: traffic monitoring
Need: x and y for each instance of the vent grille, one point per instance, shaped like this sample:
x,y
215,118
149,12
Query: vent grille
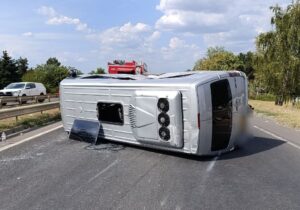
x,y
132,116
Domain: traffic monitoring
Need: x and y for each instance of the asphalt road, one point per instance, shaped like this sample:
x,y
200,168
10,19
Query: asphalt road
x,y
51,172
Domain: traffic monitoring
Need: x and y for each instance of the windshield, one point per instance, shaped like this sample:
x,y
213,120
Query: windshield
x,y
15,86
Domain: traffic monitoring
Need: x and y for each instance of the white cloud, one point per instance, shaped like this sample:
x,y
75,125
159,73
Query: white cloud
x,y
130,36
47,11
191,5
154,36
56,19
137,28
27,34
221,22
179,55
175,42
192,16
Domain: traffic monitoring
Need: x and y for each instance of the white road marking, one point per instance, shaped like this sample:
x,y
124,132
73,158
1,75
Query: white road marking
x,y
94,177
104,170
212,164
277,137
29,138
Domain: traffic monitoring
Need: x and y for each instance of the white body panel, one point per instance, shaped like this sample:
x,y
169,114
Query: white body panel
x,y
188,95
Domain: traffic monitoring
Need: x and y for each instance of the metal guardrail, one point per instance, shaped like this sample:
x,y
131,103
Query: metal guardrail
x,y
20,99
18,111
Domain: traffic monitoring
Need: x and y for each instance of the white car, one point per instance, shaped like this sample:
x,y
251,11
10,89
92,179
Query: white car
x,y
23,89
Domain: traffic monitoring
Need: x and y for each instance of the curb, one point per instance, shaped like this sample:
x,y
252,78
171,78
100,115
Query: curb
x,y
20,130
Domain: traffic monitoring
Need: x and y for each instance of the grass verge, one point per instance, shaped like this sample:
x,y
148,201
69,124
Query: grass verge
x,y
31,120
286,114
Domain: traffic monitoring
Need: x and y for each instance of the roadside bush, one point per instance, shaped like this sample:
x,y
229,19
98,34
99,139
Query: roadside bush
x,y
39,121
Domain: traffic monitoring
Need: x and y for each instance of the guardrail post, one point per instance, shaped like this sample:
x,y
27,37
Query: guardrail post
x,y
48,98
0,103
20,100
36,99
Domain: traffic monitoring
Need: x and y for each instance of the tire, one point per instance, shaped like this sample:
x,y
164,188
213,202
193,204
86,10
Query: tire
x,y
4,104
41,100
24,102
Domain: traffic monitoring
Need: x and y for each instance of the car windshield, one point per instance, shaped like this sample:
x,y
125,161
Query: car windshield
x,y
15,86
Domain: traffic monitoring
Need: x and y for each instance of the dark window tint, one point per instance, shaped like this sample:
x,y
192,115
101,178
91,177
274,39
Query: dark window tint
x,y
30,85
221,99
110,113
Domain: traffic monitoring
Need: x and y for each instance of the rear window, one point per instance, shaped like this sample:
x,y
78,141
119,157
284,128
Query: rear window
x,y
221,94
221,100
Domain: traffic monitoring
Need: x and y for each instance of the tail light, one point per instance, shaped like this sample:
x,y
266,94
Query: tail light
x,y
163,105
164,119
164,133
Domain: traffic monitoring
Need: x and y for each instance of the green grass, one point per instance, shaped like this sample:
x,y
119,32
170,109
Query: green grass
x,y
267,113
263,97
32,121
286,114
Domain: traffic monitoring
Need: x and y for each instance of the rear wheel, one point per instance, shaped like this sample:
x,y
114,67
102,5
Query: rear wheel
x,y
4,104
42,99
24,101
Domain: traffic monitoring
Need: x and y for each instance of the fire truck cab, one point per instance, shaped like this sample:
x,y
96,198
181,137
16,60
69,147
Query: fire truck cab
x,y
127,67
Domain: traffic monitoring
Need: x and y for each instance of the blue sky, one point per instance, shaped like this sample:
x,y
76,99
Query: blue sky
x,y
169,35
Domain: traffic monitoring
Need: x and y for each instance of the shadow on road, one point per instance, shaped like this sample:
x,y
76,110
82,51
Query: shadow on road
x,y
253,146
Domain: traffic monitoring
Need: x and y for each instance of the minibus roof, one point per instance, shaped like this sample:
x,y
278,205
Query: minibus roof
x,y
176,78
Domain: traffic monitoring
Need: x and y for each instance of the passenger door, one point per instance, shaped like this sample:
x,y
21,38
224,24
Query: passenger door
x,y
30,89
237,85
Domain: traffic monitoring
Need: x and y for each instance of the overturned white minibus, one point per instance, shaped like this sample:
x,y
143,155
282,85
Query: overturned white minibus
x,y
201,113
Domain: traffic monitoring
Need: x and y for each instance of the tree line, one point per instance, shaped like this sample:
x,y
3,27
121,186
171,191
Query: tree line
x,y
274,68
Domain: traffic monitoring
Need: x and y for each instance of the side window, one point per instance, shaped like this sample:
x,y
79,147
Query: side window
x,y
30,86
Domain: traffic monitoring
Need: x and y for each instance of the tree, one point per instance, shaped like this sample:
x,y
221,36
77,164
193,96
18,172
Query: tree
x,y
246,64
22,65
279,53
8,70
98,71
53,61
50,74
217,58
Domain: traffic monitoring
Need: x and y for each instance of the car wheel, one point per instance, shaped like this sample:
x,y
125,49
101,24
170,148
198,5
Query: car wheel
x,y
24,102
4,104
41,100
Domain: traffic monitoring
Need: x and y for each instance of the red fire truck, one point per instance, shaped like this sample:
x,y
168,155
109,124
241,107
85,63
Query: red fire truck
x,y
126,67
